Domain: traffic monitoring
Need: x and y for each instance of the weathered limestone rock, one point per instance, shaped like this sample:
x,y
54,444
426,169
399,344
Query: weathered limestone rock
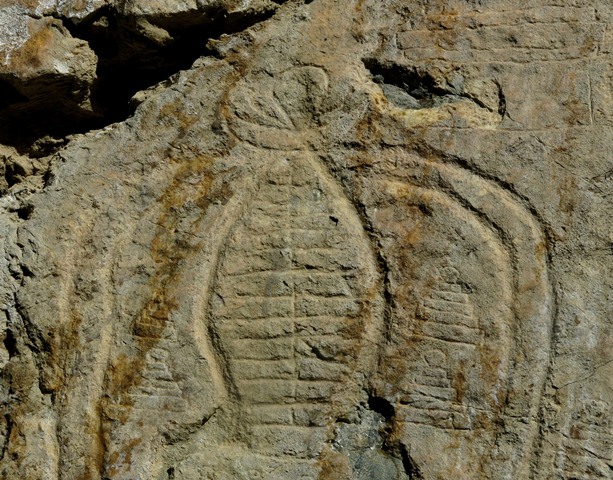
x,y
340,240
43,70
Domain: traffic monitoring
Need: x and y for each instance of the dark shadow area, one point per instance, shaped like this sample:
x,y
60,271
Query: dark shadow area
x,y
381,406
10,344
414,88
9,95
394,448
408,87
133,54
29,119
131,58
410,467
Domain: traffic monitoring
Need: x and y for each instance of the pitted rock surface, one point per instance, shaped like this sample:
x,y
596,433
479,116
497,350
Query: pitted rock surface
x,y
306,240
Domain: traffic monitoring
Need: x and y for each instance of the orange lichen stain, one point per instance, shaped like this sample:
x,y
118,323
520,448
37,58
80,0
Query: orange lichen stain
x,y
79,5
155,314
175,240
566,194
30,4
61,344
450,20
575,432
492,370
541,250
459,381
123,373
367,130
99,444
395,369
175,113
589,46
192,188
30,54
333,466
124,457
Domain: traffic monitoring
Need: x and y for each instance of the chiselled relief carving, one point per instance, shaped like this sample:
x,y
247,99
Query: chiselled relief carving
x,y
583,437
293,307
279,112
289,313
145,364
468,276
258,319
587,451
157,389
431,398
447,313
288,307
295,286
444,318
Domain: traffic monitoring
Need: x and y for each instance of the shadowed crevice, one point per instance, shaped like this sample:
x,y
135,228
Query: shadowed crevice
x,y
133,54
391,445
415,88
381,406
408,87
410,467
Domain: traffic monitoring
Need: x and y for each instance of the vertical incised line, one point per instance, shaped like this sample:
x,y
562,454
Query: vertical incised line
x,y
291,233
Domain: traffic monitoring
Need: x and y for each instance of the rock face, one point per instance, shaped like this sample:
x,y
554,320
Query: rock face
x,y
306,240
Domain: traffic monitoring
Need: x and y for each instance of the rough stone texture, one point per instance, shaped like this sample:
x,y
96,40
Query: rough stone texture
x,y
346,240
43,70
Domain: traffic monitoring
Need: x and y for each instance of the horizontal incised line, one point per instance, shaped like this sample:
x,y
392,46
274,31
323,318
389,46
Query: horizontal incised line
x,y
471,345
331,318
298,272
